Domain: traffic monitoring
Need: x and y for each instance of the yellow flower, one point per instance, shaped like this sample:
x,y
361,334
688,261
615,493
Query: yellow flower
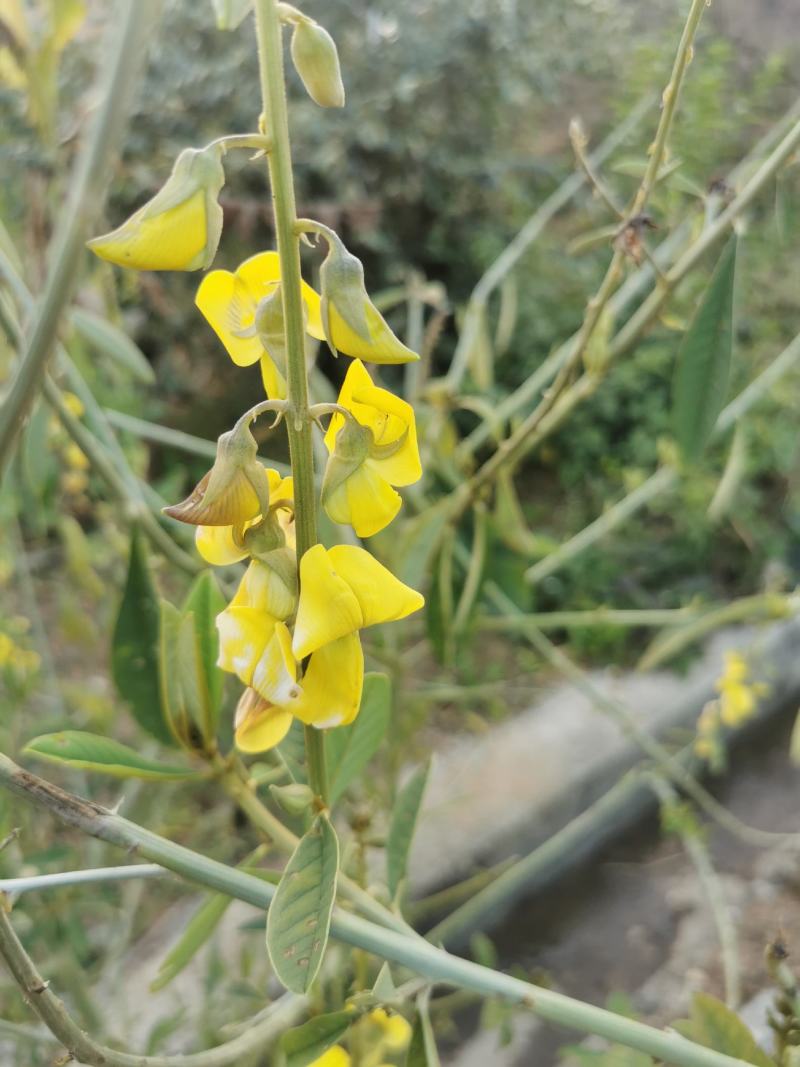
x,y
231,303
334,1057
351,321
342,590
369,454
738,696
218,544
396,1029
179,229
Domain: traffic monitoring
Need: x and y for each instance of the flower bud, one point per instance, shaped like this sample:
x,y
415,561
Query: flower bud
x,y
235,490
179,229
351,322
317,62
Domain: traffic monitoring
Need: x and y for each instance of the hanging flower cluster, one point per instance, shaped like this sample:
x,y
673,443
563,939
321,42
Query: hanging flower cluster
x,y
291,632
737,702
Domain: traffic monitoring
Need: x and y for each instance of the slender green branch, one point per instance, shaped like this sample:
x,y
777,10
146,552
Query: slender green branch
x,y
523,396
125,47
667,477
669,103
416,954
600,616
697,851
95,874
80,1046
514,251
273,96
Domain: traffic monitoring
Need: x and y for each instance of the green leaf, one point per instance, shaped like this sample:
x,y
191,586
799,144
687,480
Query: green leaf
x,y
134,655
350,748
171,692
198,930
110,341
206,601
401,828
299,917
95,753
703,366
715,1026
292,752
192,677
308,1042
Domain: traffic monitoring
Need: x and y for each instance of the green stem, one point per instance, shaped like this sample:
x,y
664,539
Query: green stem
x,y
298,420
126,50
418,955
80,1046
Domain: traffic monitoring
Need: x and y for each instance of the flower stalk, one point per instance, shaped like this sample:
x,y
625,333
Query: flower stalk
x,y
298,421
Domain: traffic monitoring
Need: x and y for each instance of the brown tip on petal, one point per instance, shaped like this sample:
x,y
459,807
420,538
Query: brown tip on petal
x,y
191,509
250,703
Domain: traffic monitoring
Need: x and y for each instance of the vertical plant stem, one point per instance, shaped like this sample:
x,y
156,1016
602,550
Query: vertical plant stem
x,y
298,422
128,29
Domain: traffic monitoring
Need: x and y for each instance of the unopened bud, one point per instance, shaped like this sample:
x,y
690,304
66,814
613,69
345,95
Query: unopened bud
x,y
350,320
235,490
317,62
179,229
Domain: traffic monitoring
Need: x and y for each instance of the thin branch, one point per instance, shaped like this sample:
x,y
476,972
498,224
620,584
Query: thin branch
x,y
421,957
697,852
80,1046
125,48
12,886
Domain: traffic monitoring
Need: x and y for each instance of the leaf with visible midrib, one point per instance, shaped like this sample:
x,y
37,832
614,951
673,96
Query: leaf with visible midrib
x,y
134,650
401,829
703,366
299,917
350,748
305,1044
94,753
206,602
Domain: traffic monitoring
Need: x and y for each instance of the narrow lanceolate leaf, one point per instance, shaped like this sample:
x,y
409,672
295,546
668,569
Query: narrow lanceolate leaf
x,y
134,652
110,341
192,677
171,696
401,829
305,1044
205,601
94,753
198,930
350,748
704,359
299,918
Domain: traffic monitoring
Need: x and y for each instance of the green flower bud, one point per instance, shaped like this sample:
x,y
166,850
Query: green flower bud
x,y
235,490
317,62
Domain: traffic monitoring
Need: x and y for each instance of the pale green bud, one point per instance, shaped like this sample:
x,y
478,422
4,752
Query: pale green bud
x,y
317,62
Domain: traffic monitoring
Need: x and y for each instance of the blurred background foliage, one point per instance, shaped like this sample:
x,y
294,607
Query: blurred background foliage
x,y
455,130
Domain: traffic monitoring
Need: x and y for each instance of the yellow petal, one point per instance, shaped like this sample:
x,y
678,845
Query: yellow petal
x,y
260,273
217,546
272,379
390,419
275,674
243,636
172,240
382,346
381,596
229,308
332,684
263,728
262,588
327,609
334,1057
365,500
